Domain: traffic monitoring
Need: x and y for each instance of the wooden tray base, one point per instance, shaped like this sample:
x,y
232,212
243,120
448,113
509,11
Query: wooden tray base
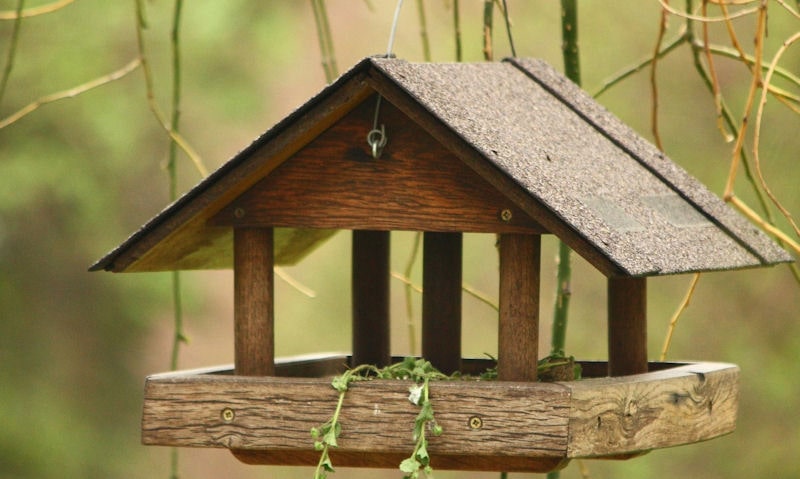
x,y
488,425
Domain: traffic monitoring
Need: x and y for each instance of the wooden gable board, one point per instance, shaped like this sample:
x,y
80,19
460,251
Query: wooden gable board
x,y
561,158
416,184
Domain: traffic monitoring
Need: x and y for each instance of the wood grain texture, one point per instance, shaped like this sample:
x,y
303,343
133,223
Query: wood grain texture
x,y
517,419
254,303
627,326
441,300
675,406
524,426
370,295
416,184
518,331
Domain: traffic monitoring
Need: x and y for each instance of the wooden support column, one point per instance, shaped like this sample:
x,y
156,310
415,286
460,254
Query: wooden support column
x,y
370,292
254,305
627,326
441,300
518,335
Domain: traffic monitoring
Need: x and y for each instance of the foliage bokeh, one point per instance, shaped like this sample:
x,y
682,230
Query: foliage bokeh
x,y
78,175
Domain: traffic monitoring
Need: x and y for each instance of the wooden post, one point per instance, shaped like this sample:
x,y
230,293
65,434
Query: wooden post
x,y
627,326
254,306
518,335
441,300
370,293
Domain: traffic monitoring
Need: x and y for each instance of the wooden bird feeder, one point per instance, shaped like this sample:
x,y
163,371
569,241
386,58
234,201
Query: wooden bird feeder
x,y
510,148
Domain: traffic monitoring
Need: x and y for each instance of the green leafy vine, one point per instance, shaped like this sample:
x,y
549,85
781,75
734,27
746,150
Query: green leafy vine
x,y
421,373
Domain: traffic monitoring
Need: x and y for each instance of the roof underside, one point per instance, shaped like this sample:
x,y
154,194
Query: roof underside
x,y
620,196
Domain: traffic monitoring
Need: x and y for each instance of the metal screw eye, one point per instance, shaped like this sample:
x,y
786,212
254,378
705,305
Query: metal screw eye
x,y
238,213
506,215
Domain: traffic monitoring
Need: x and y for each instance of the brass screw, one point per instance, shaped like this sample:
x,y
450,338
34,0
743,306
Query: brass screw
x,y
506,215
228,414
475,422
238,213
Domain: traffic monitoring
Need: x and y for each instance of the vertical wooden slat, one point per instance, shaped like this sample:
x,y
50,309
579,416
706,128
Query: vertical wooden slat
x,y
627,326
441,300
254,343
518,335
370,293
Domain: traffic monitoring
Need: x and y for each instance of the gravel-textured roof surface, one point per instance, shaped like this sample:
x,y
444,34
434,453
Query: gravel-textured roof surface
x,y
645,213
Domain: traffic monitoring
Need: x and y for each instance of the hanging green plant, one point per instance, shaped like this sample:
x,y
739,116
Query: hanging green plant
x,y
421,372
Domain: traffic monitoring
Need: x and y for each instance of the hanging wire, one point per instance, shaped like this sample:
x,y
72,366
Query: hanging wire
x,y
376,138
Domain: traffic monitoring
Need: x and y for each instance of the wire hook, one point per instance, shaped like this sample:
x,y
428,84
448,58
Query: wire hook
x,y
376,139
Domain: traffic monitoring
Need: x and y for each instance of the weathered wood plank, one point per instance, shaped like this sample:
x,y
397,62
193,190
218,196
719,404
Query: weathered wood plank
x,y
523,426
518,334
683,405
416,184
254,302
516,419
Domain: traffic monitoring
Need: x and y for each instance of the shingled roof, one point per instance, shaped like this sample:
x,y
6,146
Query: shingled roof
x,y
535,136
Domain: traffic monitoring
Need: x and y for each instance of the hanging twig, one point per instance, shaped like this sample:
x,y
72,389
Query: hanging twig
x,y
325,40
457,29
12,50
508,29
423,31
141,24
673,322
662,28
757,132
700,18
488,13
754,85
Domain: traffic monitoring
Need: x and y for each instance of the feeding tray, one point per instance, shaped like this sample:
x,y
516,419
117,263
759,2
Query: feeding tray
x,y
488,425
511,149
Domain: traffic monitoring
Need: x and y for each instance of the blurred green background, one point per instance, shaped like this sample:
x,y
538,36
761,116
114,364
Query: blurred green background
x,y
79,175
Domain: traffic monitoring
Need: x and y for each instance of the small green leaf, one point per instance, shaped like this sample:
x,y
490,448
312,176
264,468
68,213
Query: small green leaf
x,y
410,465
327,464
422,455
437,430
330,438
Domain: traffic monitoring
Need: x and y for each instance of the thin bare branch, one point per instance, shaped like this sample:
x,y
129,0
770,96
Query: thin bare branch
x,y
757,131
34,11
12,50
700,18
70,93
673,322
662,28
755,218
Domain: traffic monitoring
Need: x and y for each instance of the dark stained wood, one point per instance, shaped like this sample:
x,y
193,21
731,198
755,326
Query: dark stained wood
x,y
254,306
415,185
181,239
370,291
445,461
476,161
441,300
522,424
518,335
627,326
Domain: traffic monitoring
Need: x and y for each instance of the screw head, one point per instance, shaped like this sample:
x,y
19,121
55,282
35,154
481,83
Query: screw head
x,y
475,422
228,414
506,215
